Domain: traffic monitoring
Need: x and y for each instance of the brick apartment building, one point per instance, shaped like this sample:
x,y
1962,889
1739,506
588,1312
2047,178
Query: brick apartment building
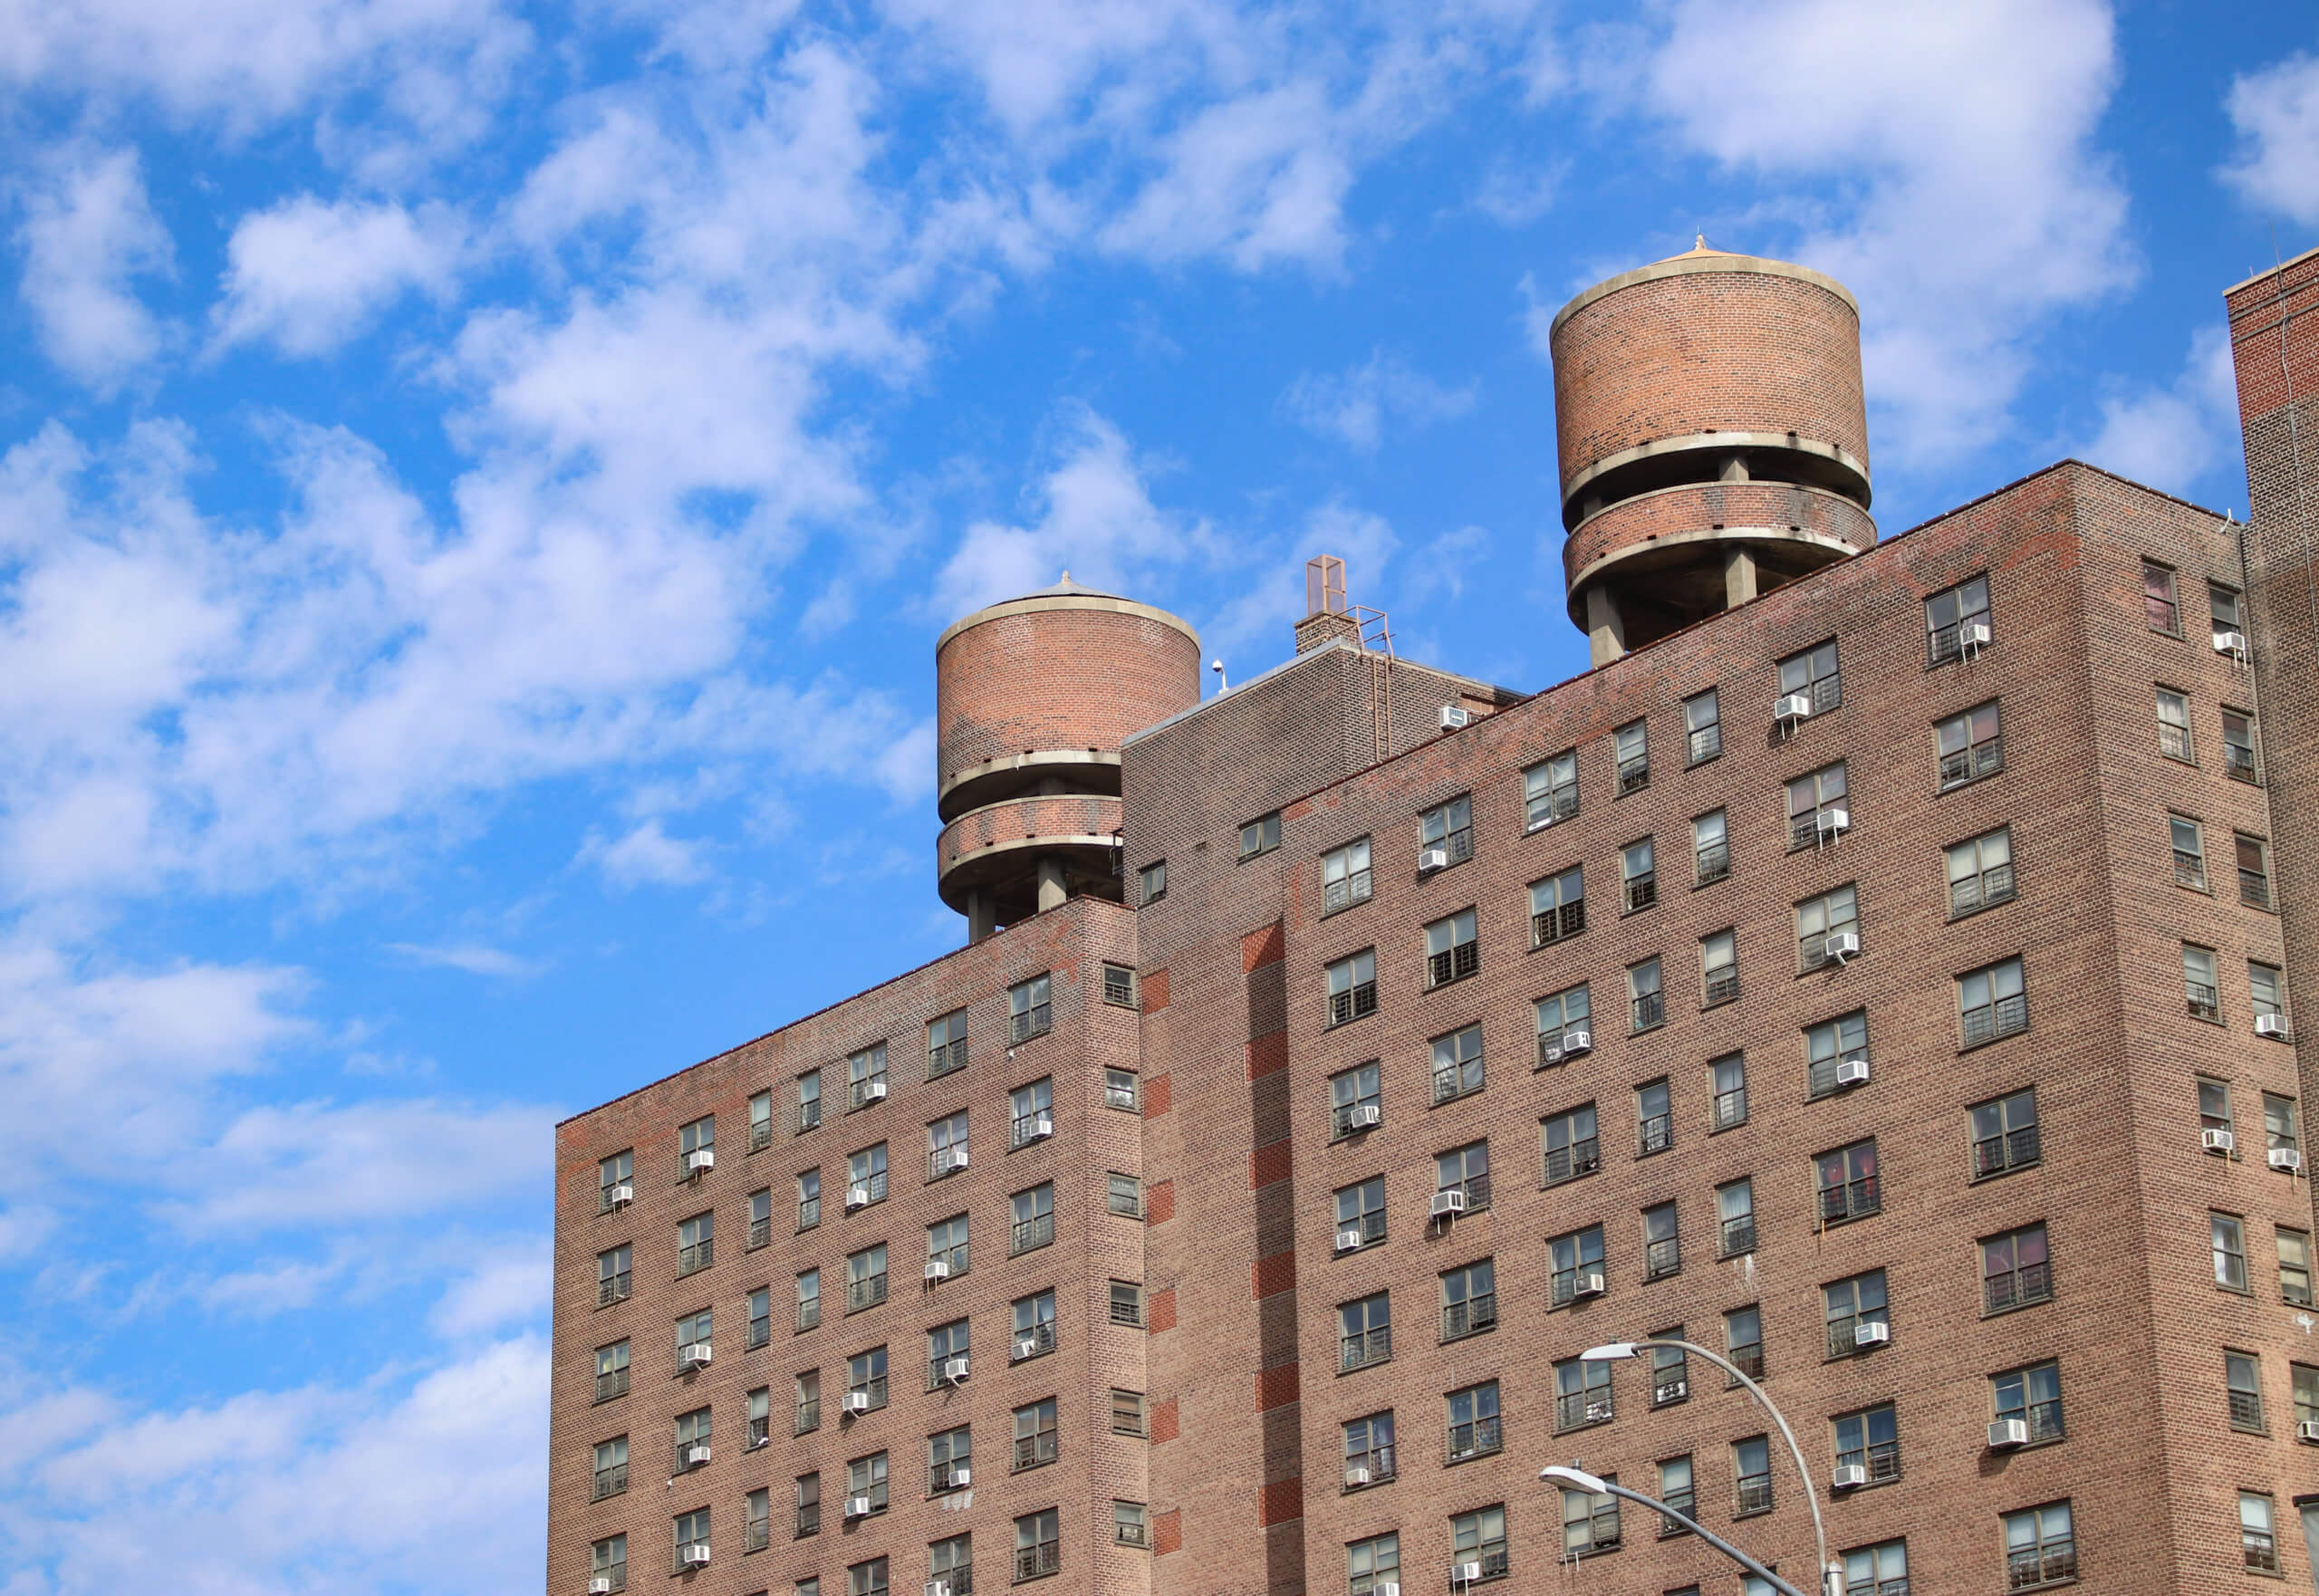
x,y
1876,970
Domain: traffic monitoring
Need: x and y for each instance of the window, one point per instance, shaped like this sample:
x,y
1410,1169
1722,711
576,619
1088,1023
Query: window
x,y
1577,1259
1991,1003
1151,882
1720,968
1671,1369
2238,745
1448,829
1822,925
1751,1467
1474,1428
1848,1183
1127,1523
2014,1270
865,1077
1365,1332
1727,1081
2174,727
865,1376
1710,849
1361,1214
1373,1563
947,1243
865,1178
1703,728
1851,1303
809,1299
1735,1211
1123,1090
1033,1107
1881,1570
1468,1301
608,1561
1631,746
2004,1134
2032,1395
865,1482
1033,1220
1127,1416
1119,985
614,1276
806,1394
696,1243
1582,1394
867,1578
946,1045
1465,1169
694,1329
2199,986
1124,1195
1814,674
1036,1437
692,1441
1817,811
1970,745
2256,1538
1638,876
699,1137
1030,1009
1654,1119
615,1181
1352,987
1590,1523
1829,1045
611,1469
2267,987
945,1342
760,1218
2158,598
2223,605
1646,1002
2040,1548
1743,1339
1452,952
757,1531
809,1200
808,1495
1033,1325
760,1316
1344,877
865,1278
2229,1250
2189,852
2294,1265
1950,615
947,1145
1550,791
2305,1380
2279,1124
1126,1305
1562,1026
1368,1450
1662,1242
1477,1545
2242,1382
1678,1491
1458,1063
692,1539
952,1562
1354,1100
1572,1148
1558,907
809,1101
1980,872
2254,869
1261,835
611,1371
1870,1440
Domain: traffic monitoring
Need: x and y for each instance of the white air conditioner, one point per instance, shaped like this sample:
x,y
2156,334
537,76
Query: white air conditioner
x,y
601,1585
2218,1142
1446,1202
1793,706
700,1160
857,1197
2009,1432
2307,1430
1454,715
948,1160
2286,1157
954,1368
1974,634
1853,1072
1598,1412
1832,822
1842,945
695,1555
1364,1116
1025,1345
855,1402
624,1195
696,1454
960,1475
871,1090
1579,1041
1591,1284
693,1353
1430,859
937,1588
1849,1474
937,1269
1347,1240
2230,643
2264,1025
1468,1571
857,1507
1872,1334
1391,1587
1356,1476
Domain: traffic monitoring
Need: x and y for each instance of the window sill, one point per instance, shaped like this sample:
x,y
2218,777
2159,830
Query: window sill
x,y
1695,886
1749,1512
1363,1367
1373,1484
2014,1308
1455,1459
1716,1003
1646,1030
1330,914
2177,759
1983,908
1991,1041
1703,759
1452,981
2001,1174
1341,1024
1738,1124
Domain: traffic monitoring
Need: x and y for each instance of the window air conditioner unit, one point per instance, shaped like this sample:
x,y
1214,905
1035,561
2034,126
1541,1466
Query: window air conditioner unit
x,y
1391,1587
695,1555
1347,1240
2307,1430
871,1090
857,1197
1446,1202
696,1454
1578,1041
1468,1571
855,1402
1849,1474
1598,1412
1974,634
1364,1115
701,1160
696,1352
937,1588
948,1160
2230,643
1842,945
2286,1157
2009,1432
1872,1334
1454,715
624,1195
1853,1072
599,1586
857,1507
2264,1025
1831,821
1793,706
937,1269
1430,859
2218,1142
954,1368
1025,1345
1591,1284
960,1475
1356,1476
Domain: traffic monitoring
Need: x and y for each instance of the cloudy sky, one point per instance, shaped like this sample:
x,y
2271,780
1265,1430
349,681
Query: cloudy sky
x,y
480,482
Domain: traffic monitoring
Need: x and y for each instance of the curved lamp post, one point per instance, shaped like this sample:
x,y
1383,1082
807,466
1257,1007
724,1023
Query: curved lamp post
x,y
1578,1479
1832,1575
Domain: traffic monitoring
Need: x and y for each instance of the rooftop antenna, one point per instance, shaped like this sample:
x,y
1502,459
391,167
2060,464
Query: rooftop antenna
x,y
1222,687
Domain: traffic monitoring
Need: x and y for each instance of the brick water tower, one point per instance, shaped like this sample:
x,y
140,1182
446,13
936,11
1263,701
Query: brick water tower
x,y
1714,441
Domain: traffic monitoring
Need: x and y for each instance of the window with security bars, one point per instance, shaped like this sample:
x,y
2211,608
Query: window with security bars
x,y
1563,1025
809,1299
868,1579
696,1243
2174,739
1452,949
1848,1183
760,1218
2267,985
1475,1430
1468,1300
1123,1195
615,1275
1881,1570
1352,986
1035,1332
1828,1046
1980,872
1345,877
865,1278
1710,848
2305,1382
2238,745
1970,746
1582,1394
1850,1304
1458,1065
1478,1545
2040,1547
865,1076
2229,1233
756,1528
1030,1009
2033,1396
1654,1119
699,1137
1870,1441
807,1494
1373,1563
1631,750
1151,882
1031,1108
1368,1450
693,1439
611,1371
1123,1090
1991,1002
1261,835
611,1469
1670,1378
760,1303
1743,1340
1734,1217
1727,1081
1126,1305
945,1344
760,1121
1365,1332
2200,987
1572,1147
809,1199
1949,618
866,1481
951,1563
865,1176
1354,1100
2158,604
1129,1417
1702,727
1465,1170
1447,828
946,1045
760,1417
1033,1217
2189,851
1646,997
2294,1266
1119,985
2258,1543
1550,791
948,1145
865,1376
1818,807
1590,1521
1663,1242
615,1181
1128,1527
2227,609
2016,1270
2242,1384
1718,969
608,1561
1037,1438
1558,907
805,1398
1814,675
1576,1267
2004,1134
809,1101
2254,869
948,1244
1638,876
1679,1489
1751,1467
694,1329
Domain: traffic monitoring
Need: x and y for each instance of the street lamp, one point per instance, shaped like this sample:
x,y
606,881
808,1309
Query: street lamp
x,y
1578,1479
1832,1575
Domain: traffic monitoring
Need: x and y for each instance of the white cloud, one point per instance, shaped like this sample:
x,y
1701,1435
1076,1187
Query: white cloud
x,y
472,958
645,856
1353,406
1256,179
512,1286
2276,112
89,233
307,276
2171,436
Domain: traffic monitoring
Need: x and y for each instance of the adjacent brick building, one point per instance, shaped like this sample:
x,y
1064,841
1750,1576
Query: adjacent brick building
x,y
1881,977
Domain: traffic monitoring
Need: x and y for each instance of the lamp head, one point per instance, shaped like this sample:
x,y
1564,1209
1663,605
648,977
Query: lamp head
x,y
1577,1479
1609,1351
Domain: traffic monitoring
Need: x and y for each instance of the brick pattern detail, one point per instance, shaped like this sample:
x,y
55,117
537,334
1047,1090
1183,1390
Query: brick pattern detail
x,y
1155,990
1158,1096
1274,1275
1160,1203
1276,1387
1163,1420
1267,1056
1057,679
1267,946
1166,1532
1160,1311
1778,506
1268,1164
1280,1502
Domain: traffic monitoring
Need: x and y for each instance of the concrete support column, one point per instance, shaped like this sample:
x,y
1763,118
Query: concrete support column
x,y
1606,631
1738,577
981,918
1051,889
1735,469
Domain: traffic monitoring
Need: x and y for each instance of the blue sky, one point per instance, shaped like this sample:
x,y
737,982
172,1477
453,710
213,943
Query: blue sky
x,y
480,484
